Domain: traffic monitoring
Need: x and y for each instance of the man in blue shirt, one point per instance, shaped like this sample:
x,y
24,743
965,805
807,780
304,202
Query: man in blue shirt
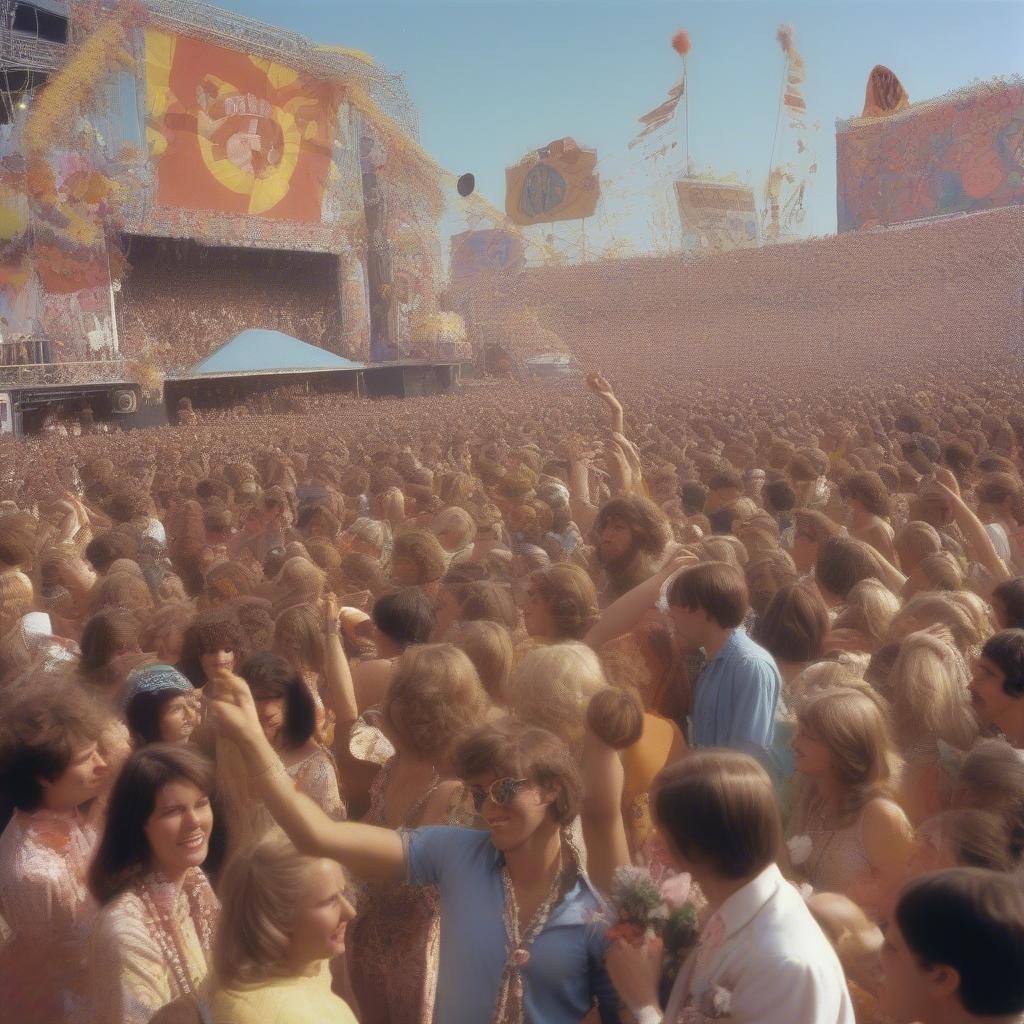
x,y
737,694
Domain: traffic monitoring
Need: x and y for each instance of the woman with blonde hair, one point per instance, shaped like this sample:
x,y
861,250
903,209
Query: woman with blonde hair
x,y
488,646
938,572
435,695
865,620
847,834
371,537
456,530
930,701
930,610
284,917
392,508
552,687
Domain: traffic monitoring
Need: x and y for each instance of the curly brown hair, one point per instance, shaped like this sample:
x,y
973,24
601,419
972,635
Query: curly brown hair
x,y
40,731
647,523
571,597
210,631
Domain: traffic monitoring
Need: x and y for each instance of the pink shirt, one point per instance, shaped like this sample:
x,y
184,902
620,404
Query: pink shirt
x,y
46,914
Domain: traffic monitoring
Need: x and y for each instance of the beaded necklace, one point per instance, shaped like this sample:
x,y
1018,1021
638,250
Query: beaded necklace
x,y
509,1008
169,939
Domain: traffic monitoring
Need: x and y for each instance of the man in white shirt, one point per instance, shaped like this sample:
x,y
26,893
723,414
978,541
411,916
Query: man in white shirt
x,y
761,959
954,950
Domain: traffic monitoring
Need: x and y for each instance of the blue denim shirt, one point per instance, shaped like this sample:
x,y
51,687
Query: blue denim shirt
x,y
736,699
565,970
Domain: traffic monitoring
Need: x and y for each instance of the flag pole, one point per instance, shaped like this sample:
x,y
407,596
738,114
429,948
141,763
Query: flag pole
x,y
686,114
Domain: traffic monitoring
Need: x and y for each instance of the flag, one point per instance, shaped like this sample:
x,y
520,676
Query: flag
x,y
661,114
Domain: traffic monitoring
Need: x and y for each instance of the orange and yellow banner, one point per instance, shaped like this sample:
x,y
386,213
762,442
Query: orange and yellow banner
x,y
557,182
235,133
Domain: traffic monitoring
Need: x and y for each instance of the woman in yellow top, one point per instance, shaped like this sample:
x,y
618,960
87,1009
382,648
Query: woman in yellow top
x,y
284,917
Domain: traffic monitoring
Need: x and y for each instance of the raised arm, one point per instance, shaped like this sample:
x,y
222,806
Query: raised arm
x,y
584,512
625,613
339,691
888,575
374,854
973,530
603,390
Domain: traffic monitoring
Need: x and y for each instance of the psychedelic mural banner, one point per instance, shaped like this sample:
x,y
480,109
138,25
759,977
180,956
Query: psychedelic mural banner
x,y
235,133
960,154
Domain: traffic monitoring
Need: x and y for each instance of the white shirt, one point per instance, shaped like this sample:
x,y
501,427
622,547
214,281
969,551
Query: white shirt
x,y
764,958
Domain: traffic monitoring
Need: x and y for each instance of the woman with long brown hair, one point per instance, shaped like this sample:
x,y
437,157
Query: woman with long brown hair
x,y
153,937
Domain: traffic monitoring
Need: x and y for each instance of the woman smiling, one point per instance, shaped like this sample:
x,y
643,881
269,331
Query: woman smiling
x,y
153,938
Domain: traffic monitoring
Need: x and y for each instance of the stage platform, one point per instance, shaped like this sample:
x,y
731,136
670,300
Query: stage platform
x,y
407,379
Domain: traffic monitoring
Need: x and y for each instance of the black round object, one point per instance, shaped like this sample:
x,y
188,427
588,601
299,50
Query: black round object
x,y
465,185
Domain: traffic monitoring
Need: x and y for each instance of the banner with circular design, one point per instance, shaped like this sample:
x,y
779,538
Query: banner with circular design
x,y
556,182
234,133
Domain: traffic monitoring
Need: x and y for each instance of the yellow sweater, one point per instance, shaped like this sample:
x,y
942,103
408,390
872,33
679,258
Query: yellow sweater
x,y
282,1001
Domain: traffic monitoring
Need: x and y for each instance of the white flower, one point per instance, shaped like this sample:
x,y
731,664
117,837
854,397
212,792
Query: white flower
x,y
800,848
721,1002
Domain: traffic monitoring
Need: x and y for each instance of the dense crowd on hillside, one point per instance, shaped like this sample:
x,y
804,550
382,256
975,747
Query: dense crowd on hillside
x,y
697,697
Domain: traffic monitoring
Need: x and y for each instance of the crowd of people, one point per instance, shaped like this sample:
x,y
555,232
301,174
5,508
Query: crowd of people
x,y
373,711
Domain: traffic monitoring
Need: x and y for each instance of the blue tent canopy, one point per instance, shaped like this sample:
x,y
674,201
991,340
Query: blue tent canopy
x,y
259,351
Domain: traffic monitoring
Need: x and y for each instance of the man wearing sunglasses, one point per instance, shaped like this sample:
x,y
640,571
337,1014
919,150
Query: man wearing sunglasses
x,y
519,935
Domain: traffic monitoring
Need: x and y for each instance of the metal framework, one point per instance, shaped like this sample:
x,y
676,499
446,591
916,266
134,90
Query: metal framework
x,y
106,371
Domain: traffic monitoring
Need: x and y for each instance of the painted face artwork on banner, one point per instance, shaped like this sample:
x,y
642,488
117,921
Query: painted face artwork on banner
x,y
235,133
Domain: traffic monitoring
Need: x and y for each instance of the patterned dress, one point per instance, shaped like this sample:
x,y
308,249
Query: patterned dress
x,y
46,914
317,777
396,938
151,945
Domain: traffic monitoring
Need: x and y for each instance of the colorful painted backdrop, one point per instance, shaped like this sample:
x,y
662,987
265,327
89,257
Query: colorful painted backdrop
x,y
960,154
235,133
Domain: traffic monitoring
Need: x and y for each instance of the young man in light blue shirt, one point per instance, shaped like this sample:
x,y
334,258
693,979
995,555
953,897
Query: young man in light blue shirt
x,y
736,697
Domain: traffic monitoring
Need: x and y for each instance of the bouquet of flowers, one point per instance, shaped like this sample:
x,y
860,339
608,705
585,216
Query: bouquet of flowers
x,y
641,908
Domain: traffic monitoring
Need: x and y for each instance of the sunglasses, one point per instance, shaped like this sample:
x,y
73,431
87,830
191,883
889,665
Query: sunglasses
x,y
500,791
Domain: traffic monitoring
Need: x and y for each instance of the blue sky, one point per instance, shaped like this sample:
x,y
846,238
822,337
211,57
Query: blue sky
x,y
494,78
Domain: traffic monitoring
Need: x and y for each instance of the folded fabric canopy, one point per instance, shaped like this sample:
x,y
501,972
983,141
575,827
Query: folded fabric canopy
x,y
255,350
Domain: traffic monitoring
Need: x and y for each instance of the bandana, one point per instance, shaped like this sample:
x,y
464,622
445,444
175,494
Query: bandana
x,y
151,678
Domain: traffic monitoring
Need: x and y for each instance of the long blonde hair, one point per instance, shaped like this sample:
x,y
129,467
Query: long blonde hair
x,y
552,688
870,609
259,892
852,725
927,689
